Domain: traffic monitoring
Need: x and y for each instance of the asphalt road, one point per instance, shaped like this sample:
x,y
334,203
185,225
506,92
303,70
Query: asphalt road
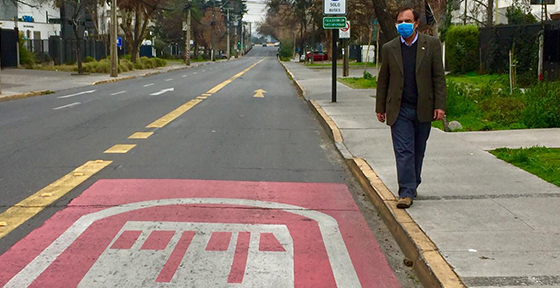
x,y
230,136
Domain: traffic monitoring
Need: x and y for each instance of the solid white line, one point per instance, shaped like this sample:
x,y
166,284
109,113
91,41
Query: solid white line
x,y
67,106
148,85
77,94
117,93
167,80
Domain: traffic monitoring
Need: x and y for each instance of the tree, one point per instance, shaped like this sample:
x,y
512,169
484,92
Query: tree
x,y
519,13
76,9
136,15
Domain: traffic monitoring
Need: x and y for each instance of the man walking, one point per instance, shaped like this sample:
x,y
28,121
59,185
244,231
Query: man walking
x,y
410,94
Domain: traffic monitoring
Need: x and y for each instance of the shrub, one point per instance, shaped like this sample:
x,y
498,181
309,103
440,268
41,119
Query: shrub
x,y
543,106
459,101
286,49
160,62
89,59
147,63
368,76
462,48
504,109
127,57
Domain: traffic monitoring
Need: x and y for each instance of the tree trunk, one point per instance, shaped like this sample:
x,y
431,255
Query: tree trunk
x,y
386,20
78,47
490,14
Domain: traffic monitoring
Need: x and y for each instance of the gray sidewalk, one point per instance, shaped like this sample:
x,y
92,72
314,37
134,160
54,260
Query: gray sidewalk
x,y
496,225
19,81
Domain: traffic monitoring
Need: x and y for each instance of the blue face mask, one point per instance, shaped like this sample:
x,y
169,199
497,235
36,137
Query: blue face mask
x,y
405,29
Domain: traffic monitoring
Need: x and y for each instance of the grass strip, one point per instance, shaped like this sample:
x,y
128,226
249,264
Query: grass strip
x,y
540,161
359,82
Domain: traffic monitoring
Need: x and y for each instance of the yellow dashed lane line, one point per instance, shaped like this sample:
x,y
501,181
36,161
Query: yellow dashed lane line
x,y
141,135
161,122
29,207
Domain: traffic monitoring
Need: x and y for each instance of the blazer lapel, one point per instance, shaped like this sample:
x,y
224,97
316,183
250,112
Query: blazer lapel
x,y
420,50
398,55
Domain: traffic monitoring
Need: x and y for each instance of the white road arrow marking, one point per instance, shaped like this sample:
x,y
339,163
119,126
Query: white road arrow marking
x,y
77,94
163,91
67,106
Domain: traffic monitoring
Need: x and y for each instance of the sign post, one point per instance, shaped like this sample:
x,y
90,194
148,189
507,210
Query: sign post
x,y
334,8
344,34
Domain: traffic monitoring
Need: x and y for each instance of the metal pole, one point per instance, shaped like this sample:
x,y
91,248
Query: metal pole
x,y
346,66
334,49
114,29
227,36
188,39
212,56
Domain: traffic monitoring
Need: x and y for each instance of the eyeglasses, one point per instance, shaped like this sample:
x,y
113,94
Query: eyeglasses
x,y
404,21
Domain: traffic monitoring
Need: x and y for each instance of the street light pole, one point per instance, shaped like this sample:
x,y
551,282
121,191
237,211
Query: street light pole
x,y
227,36
114,29
188,36
213,57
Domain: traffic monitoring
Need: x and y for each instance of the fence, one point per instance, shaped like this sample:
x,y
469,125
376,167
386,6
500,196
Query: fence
x,y
63,51
495,44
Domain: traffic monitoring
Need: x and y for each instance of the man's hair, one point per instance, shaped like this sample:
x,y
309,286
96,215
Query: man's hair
x,y
416,14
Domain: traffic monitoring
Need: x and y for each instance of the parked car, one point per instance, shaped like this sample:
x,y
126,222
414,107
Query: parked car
x,y
264,45
317,56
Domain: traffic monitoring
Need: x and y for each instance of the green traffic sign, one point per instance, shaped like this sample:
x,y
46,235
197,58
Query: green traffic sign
x,y
334,22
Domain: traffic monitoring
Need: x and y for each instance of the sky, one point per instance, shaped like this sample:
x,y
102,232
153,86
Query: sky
x,y
256,13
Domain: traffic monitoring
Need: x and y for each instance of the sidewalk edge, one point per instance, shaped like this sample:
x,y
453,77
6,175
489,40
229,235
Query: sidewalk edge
x,y
429,265
302,91
25,95
113,80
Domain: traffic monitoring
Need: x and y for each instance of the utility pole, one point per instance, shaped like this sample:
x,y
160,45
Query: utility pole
x,y
114,29
227,35
212,54
188,35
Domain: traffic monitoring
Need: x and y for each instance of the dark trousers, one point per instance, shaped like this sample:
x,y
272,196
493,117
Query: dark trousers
x,y
409,142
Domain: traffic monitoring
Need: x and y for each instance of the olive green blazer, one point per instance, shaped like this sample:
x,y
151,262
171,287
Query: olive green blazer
x,y
430,78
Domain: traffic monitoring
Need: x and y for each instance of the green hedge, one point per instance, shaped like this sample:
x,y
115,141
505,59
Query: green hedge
x,y
461,49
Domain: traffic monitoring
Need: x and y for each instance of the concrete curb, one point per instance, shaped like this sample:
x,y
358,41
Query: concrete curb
x,y
113,80
25,95
428,263
302,91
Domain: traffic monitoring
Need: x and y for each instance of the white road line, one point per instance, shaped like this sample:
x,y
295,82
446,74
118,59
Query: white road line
x,y
117,93
77,94
184,76
195,73
167,80
67,106
203,71
162,91
148,85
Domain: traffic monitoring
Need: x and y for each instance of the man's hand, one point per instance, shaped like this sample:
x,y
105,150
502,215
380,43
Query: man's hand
x,y
381,117
438,114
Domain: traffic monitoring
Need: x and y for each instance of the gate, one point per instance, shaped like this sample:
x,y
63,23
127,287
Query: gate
x,y
8,48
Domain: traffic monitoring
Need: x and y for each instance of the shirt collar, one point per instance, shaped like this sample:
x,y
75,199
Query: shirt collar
x,y
413,41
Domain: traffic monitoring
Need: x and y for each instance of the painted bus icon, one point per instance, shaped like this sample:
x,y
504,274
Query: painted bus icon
x,y
183,254
194,254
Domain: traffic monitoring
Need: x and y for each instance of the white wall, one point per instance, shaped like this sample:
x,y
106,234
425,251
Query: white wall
x,y
39,27
502,5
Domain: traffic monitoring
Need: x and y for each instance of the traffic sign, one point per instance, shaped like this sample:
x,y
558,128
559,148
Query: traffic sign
x,y
334,22
334,7
119,42
194,233
344,33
